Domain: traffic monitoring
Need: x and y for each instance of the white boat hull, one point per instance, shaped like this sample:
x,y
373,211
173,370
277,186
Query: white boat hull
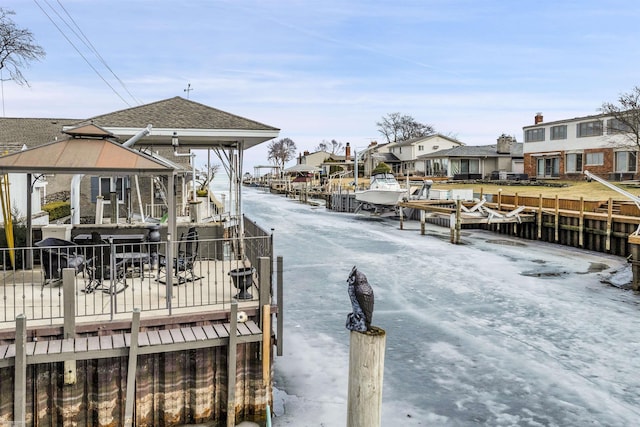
x,y
380,197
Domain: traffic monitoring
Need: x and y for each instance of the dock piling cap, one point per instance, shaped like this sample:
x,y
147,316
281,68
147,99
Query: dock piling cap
x,y
374,331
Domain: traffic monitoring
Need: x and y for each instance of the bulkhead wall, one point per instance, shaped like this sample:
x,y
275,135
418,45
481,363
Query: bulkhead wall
x,y
172,388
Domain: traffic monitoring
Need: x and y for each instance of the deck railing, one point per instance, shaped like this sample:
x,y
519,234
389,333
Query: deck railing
x,y
31,278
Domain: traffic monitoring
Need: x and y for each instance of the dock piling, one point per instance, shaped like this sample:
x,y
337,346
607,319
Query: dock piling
x,y
366,369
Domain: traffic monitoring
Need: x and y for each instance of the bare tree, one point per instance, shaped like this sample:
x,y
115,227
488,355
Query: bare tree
x,y
401,127
17,48
332,147
624,117
281,151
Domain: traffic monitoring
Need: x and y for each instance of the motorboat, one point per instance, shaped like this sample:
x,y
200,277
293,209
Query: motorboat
x,y
383,190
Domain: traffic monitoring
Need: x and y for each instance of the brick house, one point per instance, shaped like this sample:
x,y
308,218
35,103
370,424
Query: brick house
x,y
564,149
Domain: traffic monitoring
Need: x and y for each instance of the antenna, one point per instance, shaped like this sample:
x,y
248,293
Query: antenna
x,y
188,89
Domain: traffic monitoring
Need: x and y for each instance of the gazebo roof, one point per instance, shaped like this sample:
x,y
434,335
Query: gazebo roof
x,y
82,155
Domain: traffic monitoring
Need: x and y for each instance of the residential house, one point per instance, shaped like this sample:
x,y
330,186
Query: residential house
x,y
563,149
408,151
191,123
476,161
375,153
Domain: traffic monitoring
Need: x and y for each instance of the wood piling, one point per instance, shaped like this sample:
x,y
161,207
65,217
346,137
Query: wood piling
x,y
366,369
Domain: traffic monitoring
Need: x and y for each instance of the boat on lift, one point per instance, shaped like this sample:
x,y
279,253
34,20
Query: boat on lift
x,y
384,190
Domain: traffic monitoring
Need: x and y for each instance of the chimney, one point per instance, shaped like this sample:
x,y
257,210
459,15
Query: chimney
x,y
504,144
347,152
373,143
538,118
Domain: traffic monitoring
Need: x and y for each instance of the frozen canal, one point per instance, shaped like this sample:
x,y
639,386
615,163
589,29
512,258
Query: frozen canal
x,y
493,332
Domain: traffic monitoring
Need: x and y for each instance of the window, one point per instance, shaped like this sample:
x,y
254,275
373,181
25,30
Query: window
x,y
534,135
465,166
100,186
559,132
617,126
593,128
573,163
626,161
420,147
595,158
548,167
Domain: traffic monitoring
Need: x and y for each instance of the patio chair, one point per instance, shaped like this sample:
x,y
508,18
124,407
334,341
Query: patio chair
x,y
183,263
99,268
57,254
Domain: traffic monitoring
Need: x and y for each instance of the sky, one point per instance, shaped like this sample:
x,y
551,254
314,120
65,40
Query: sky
x,y
324,70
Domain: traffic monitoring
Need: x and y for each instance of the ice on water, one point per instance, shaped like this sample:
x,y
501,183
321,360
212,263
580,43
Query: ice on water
x,y
496,331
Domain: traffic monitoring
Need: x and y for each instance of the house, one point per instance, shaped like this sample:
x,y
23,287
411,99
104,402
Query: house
x,y
475,161
375,153
314,159
408,151
563,149
188,123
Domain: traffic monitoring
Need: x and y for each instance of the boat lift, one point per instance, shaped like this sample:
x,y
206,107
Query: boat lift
x,y
633,197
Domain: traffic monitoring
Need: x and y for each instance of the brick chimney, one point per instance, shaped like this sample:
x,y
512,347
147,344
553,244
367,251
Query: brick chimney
x,y
538,118
347,152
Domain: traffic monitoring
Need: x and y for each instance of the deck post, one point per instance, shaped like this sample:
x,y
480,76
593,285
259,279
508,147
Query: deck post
x,y
423,216
366,369
131,369
607,243
69,295
581,224
556,221
540,204
266,345
264,278
634,245
231,365
20,384
279,285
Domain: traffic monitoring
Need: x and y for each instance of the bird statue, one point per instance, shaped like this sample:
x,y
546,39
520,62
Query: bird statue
x,y
361,295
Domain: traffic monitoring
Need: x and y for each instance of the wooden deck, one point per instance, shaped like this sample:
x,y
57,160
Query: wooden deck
x,y
24,292
117,345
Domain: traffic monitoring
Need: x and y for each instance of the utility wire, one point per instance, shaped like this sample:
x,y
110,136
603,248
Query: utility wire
x,y
80,53
95,51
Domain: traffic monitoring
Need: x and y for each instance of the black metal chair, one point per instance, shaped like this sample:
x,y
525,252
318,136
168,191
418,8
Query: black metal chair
x,y
99,267
183,263
57,254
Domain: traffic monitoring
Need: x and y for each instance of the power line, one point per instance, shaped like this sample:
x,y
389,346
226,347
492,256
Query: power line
x,y
95,51
77,50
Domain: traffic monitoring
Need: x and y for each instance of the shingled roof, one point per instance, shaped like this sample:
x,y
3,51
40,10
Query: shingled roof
x,y
177,113
475,151
16,132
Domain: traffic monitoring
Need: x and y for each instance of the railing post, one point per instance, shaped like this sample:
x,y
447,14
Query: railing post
x,y
279,285
20,387
168,269
69,301
264,281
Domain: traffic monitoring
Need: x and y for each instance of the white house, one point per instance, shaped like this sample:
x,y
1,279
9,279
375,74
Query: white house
x,y
408,151
563,149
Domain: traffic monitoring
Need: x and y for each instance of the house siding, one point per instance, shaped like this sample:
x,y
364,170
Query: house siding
x,y
606,143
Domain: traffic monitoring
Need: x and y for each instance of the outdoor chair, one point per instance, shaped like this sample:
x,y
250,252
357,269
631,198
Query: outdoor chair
x,y
99,268
183,262
57,254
